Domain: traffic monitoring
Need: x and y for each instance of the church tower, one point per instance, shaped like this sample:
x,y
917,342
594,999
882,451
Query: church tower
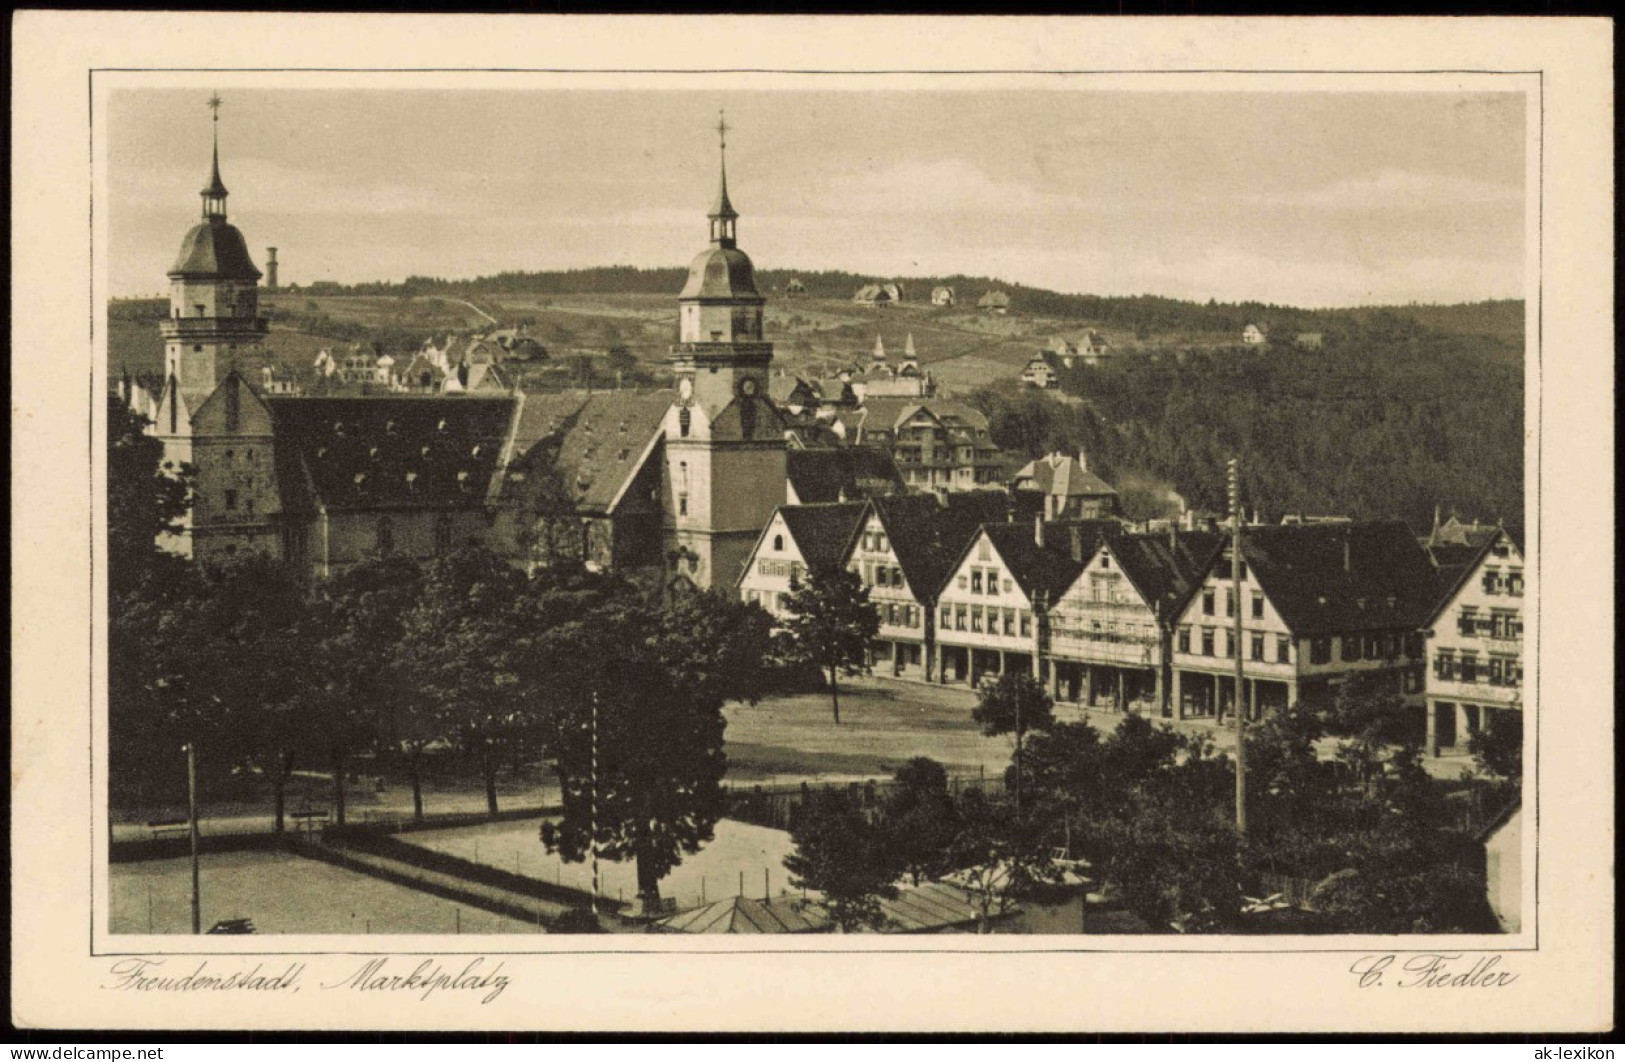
x,y
725,450
211,416
214,324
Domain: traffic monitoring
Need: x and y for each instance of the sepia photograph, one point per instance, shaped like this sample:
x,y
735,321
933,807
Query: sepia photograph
x,y
897,565
553,513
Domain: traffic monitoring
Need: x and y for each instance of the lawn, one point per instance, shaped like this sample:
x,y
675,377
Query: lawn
x,y
883,725
283,893
739,857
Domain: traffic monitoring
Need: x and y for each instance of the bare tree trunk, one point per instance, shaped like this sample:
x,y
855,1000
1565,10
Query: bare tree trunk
x,y
488,766
415,766
279,784
338,786
835,693
648,884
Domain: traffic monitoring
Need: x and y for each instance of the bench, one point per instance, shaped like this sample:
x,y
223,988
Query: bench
x,y
169,827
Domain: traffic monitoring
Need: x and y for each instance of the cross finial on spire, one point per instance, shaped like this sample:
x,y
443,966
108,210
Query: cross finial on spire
x,y
214,196
722,129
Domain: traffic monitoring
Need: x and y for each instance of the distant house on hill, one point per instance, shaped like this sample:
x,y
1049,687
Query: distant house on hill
x,y
1044,370
795,289
1255,335
942,296
994,302
872,295
1309,340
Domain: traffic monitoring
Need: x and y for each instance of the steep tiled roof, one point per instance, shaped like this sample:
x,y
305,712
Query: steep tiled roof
x,y
1457,561
387,453
823,532
844,473
929,536
1167,569
1325,578
595,441
1061,474
1035,568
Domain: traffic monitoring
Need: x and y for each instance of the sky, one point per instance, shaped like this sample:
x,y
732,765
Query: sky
x,y
1302,198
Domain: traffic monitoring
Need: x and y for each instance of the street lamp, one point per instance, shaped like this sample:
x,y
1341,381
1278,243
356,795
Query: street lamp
x,y
190,749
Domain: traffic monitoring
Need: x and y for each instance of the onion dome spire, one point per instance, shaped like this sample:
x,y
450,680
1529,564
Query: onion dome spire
x,y
214,195
723,215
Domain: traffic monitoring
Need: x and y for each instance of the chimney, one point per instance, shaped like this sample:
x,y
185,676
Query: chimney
x,y
1038,531
1083,460
1348,555
1173,534
270,269
1077,544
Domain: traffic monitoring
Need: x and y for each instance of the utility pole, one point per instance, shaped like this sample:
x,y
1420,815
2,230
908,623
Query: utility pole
x,y
191,799
1235,591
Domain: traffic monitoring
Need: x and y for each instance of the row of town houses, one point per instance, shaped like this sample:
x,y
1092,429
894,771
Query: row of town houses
x,y
1112,615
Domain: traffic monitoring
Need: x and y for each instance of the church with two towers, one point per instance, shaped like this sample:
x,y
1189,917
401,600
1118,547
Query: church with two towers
x,y
672,487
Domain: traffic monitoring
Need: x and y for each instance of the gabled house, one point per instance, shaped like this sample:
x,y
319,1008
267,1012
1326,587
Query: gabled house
x,y
994,302
798,539
1044,370
1060,487
939,446
1110,631
902,551
990,611
1475,643
1320,605
942,295
1255,335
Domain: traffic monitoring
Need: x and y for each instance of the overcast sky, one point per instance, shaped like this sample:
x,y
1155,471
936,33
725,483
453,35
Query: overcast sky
x,y
1312,199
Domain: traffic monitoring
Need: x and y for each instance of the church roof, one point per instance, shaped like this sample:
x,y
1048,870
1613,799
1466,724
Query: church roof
x,y
595,441
215,248
387,453
748,417
721,273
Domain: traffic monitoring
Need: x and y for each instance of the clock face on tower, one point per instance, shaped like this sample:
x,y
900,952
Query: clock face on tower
x,y
747,386
685,389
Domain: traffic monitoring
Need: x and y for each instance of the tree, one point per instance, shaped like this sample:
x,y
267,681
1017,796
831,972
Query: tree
x,y
463,648
146,498
920,821
1016,704
1497,745
997,854
1372,716
832,621
641,684
841,854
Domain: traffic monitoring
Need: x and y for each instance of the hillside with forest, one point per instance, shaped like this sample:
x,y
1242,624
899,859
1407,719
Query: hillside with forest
x,y
1387,419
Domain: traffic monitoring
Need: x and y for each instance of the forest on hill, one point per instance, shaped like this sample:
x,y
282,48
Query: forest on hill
x,y
1146,315
1388,420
